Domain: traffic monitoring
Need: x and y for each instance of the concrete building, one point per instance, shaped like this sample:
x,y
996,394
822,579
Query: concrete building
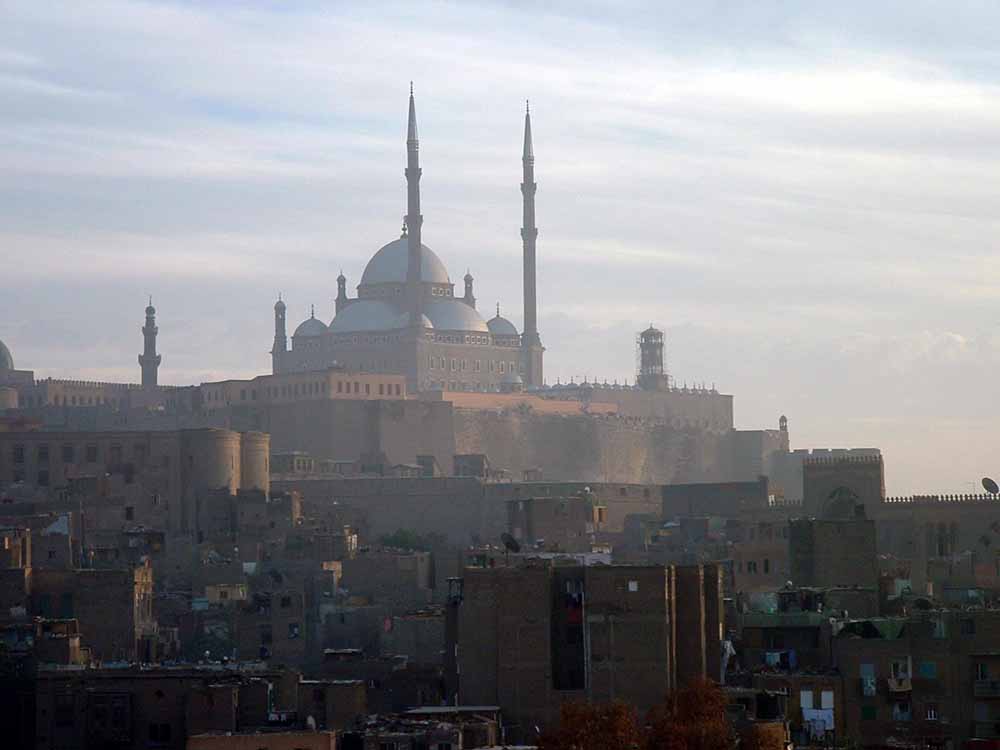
x,y
929,680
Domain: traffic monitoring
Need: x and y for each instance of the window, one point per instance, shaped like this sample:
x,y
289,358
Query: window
x,y
19,453
982,671
381,389
43,454
223,594
265,635
293,631
357,387
66,605
968,627
286,602
398,391
901,711
806,699
68,454
826,699
633,586
751,566
129,513
931,713
767,565
159,733
52,554
900,669
91,454
368,389
927,669
65,710
869,713
43,478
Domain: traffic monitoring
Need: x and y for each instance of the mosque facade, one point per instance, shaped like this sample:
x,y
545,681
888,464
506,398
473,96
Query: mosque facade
x,y
407,317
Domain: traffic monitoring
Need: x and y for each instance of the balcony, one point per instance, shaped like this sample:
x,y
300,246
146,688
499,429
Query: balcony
x,y
986,688
899,685
986,730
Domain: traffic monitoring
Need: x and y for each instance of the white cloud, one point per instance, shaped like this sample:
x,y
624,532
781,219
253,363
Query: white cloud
x,y
803,196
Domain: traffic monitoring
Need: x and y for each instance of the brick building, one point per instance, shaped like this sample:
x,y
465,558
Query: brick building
x,y
531,636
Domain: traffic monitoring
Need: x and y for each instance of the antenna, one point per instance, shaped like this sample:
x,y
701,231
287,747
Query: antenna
x,y
990,486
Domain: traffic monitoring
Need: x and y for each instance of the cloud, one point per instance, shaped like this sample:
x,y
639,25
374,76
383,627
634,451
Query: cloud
x,y
802,196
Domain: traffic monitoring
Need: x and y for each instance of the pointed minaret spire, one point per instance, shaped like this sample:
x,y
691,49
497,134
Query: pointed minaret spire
x,y
529,152
149,360
414,220
280,346
531,344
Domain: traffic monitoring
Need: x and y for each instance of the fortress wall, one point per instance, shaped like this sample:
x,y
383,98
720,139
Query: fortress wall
x,y
596,449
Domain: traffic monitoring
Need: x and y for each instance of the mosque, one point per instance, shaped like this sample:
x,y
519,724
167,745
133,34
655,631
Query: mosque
x,y
407,318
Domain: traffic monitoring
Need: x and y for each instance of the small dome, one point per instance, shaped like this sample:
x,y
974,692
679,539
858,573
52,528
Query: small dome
x,y
453,315
367,315
310,327
6,361
389,264
500,326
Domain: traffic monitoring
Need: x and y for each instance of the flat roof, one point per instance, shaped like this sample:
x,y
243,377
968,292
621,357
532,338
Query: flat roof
x,y
452,709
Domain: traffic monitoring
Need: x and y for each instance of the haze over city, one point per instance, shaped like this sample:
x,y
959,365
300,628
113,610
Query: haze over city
x,y
801,197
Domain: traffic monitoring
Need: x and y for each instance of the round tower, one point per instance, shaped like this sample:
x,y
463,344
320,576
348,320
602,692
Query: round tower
x,y
255,452
651,374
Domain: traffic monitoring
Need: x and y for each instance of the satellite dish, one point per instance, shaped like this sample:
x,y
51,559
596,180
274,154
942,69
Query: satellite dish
x,y
990,486
510,543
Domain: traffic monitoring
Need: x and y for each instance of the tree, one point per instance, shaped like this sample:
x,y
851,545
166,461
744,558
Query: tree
x,y
692,718
594,726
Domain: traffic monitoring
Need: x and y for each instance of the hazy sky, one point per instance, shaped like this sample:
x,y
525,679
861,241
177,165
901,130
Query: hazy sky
x,y
803,195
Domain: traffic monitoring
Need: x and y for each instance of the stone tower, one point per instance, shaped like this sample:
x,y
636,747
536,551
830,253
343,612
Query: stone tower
x,y
149,360
280,337
530,341
341,302
414,219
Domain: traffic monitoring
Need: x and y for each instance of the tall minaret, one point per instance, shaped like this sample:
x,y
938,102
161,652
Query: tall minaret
x,y
414,220
280,339
531,344
149,360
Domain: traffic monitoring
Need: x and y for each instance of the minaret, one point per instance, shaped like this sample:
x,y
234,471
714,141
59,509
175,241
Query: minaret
x,y
149,360
470,298
280,339
531,344
414,220
341,300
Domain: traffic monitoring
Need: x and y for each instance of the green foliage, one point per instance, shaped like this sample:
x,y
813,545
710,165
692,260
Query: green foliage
x,y
410,539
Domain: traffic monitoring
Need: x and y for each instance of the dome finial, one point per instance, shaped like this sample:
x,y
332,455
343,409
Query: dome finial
x,y
411,88
312,311
403,235
279,296
498,309
151,300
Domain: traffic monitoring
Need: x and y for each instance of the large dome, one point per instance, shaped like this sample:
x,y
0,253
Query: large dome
x,y
6,361
452,315
368,315
310,327
388,265
501,326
